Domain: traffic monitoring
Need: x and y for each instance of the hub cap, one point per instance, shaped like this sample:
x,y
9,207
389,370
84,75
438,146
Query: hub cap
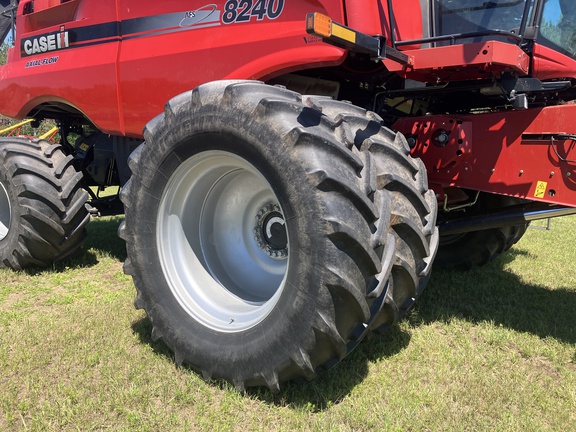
x,y
270,232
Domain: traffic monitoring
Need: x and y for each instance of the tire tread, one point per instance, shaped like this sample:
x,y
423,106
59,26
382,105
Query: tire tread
x,y
50,214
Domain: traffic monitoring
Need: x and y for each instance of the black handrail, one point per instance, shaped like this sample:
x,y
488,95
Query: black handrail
x,y
392,20
524,21
456,36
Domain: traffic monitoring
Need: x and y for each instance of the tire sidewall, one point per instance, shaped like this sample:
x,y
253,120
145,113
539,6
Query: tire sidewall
x,y
8,244
288,325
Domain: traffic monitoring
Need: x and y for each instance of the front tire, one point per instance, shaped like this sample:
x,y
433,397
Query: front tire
x,y
478,248
42,206
268,233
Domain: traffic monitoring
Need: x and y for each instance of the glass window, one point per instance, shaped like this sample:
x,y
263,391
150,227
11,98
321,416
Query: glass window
x,y
466,16
559,25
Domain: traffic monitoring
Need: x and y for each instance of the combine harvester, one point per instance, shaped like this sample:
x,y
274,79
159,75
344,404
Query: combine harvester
x,y
290,170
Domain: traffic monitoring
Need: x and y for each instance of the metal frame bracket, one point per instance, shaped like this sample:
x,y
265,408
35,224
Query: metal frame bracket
x,y
339,35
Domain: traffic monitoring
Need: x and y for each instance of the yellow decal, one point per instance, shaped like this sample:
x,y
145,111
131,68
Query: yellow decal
x,y
540,189
84,147
343,33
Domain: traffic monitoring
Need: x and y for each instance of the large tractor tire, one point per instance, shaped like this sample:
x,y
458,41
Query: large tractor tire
x,y
478,248
42,206
268,233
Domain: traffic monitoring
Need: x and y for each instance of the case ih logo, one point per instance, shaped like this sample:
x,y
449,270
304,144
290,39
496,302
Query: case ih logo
x,y
45,43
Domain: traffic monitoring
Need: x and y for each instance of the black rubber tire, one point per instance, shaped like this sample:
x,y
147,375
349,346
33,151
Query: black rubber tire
x,y
478,248
42,205
359,216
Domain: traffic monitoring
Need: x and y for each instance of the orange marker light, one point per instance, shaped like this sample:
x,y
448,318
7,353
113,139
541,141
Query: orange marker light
x,y
319,24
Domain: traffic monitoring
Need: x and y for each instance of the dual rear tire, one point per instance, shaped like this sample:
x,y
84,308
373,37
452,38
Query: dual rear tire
x,y
268,233
478,248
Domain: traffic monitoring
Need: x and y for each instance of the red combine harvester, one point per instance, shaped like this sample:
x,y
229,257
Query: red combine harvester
x,y
268,232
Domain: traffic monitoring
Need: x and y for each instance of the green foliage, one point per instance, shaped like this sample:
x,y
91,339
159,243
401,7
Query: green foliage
x,y
561,32
3,53
551,31
27,129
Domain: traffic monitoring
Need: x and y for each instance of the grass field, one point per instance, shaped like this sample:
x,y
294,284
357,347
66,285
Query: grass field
x,y
490,349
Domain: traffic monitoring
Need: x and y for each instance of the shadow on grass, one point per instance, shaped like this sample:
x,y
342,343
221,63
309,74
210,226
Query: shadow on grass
x,y
330,386
488,294
143,329
103,237
493,294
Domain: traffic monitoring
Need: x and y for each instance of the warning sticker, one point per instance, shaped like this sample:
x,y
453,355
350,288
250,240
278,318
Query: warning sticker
x,y
540,189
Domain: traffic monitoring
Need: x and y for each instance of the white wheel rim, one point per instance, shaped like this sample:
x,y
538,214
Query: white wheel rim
x,y
212,243
5,212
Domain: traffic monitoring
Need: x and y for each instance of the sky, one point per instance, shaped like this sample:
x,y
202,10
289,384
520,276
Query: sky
x,y
552,9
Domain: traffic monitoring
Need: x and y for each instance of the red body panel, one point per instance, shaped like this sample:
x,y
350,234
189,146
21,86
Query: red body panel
x,y
119,61
372,17
132,73
120,79
155,67
84,78
509,154
482,60
550,64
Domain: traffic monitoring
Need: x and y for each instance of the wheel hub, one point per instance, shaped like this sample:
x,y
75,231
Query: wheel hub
x,y
222,241
270,232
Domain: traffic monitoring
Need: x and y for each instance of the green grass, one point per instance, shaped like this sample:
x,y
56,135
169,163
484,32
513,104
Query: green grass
x,y
489,349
